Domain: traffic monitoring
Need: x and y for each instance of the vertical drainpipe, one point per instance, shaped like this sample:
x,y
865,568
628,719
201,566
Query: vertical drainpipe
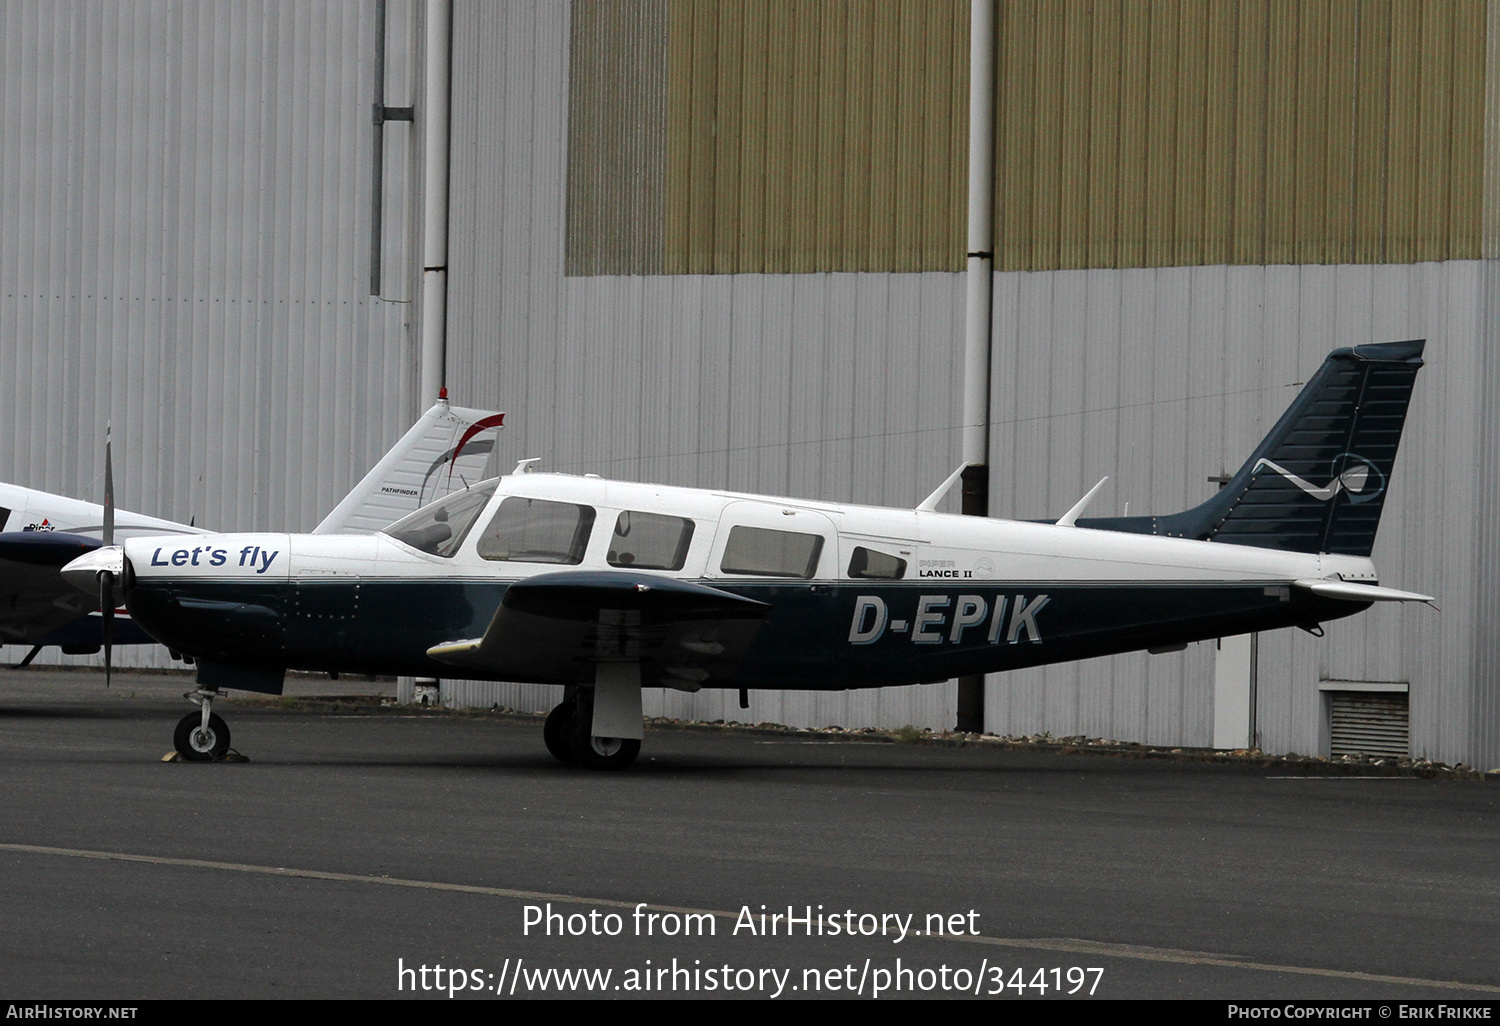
x,y
439,43
437,53
980,288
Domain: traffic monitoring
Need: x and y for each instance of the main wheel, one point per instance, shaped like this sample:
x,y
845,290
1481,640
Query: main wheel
x,y
197,743
555,731
602,753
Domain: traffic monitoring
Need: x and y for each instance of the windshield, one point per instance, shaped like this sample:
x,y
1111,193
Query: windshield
x,y
439,528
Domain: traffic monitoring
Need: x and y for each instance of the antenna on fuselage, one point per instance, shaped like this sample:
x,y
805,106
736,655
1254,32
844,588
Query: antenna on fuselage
x,y
1070,518
524,466
929,504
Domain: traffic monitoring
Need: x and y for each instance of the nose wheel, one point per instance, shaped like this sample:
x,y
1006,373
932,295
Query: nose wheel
x,y
201,735
199,742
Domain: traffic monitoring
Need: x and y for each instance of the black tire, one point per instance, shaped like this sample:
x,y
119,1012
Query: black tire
x,y
556,730
198,744
600,753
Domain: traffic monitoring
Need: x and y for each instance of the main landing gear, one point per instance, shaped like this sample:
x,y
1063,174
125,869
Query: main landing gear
x,y
569,735
201,736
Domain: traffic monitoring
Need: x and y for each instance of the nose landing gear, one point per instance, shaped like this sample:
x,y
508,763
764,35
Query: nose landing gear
x,y
201,736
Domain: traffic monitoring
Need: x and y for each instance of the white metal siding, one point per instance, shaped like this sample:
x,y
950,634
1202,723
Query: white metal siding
x,y
1161,378
184,206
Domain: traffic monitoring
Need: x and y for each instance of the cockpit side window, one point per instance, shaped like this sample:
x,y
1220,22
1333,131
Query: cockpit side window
x,y
872,563
650,541
537,531
762,552
439,528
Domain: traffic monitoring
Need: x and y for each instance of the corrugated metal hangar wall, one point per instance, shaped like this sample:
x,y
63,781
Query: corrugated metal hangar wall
x,y
721,243
184,250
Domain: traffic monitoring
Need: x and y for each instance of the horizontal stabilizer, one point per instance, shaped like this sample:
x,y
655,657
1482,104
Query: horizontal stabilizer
x,y
1351,592
558,627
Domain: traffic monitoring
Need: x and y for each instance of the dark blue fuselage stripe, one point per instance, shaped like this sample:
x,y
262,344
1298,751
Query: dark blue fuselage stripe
x,y
817,636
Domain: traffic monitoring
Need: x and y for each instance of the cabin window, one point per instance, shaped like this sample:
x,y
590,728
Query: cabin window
x,y
873,563
762,552
650,541
439,528
537,531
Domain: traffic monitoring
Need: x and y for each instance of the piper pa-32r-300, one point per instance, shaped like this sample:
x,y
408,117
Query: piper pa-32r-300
x,y
606,587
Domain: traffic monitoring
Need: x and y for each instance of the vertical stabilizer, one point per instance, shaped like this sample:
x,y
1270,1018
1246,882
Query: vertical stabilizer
x,y
1317,482
446,449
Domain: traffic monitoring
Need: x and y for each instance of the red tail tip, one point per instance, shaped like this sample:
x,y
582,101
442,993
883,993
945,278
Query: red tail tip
x,y
443,392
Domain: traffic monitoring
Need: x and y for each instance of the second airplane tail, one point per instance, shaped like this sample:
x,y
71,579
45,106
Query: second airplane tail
x,y
1317,482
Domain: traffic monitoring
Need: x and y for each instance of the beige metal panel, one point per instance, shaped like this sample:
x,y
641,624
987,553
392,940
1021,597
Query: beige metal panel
x,y
678,202
1016,90
1218,137
739,171
617,137
1435,131
885,45
832,98
815,137
1489,131
1467,161
776,56
1073,127
1162,100
1279,161
1313,119
697,56
1372,117
1262,131
1135,42
1045,124
1102,200
1337,231
1403,134
1251,42
1193,114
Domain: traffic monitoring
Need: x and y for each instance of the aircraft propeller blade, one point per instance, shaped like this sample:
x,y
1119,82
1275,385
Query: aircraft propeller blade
x,y
109,486
107,611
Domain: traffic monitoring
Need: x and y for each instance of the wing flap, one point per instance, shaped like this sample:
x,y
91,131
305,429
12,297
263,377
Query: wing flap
x,y
557,628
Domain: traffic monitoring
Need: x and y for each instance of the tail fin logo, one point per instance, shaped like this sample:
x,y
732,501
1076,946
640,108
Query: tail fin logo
x,y
1353,475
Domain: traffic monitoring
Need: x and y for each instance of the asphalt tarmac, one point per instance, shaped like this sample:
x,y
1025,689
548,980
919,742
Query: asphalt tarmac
x,y
356,852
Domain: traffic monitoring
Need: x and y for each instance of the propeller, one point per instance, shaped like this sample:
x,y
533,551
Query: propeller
x,y
107,577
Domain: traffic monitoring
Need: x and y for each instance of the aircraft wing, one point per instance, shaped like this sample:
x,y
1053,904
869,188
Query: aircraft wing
x,y
558,627
34,598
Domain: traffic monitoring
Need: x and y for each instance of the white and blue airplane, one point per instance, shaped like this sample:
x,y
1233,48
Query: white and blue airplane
x,y
41,532
605,587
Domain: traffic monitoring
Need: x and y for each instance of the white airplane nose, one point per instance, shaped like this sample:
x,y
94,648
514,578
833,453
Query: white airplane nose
x,y
83,572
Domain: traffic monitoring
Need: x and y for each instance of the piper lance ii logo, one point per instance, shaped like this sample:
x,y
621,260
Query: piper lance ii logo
x,y
1354,476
